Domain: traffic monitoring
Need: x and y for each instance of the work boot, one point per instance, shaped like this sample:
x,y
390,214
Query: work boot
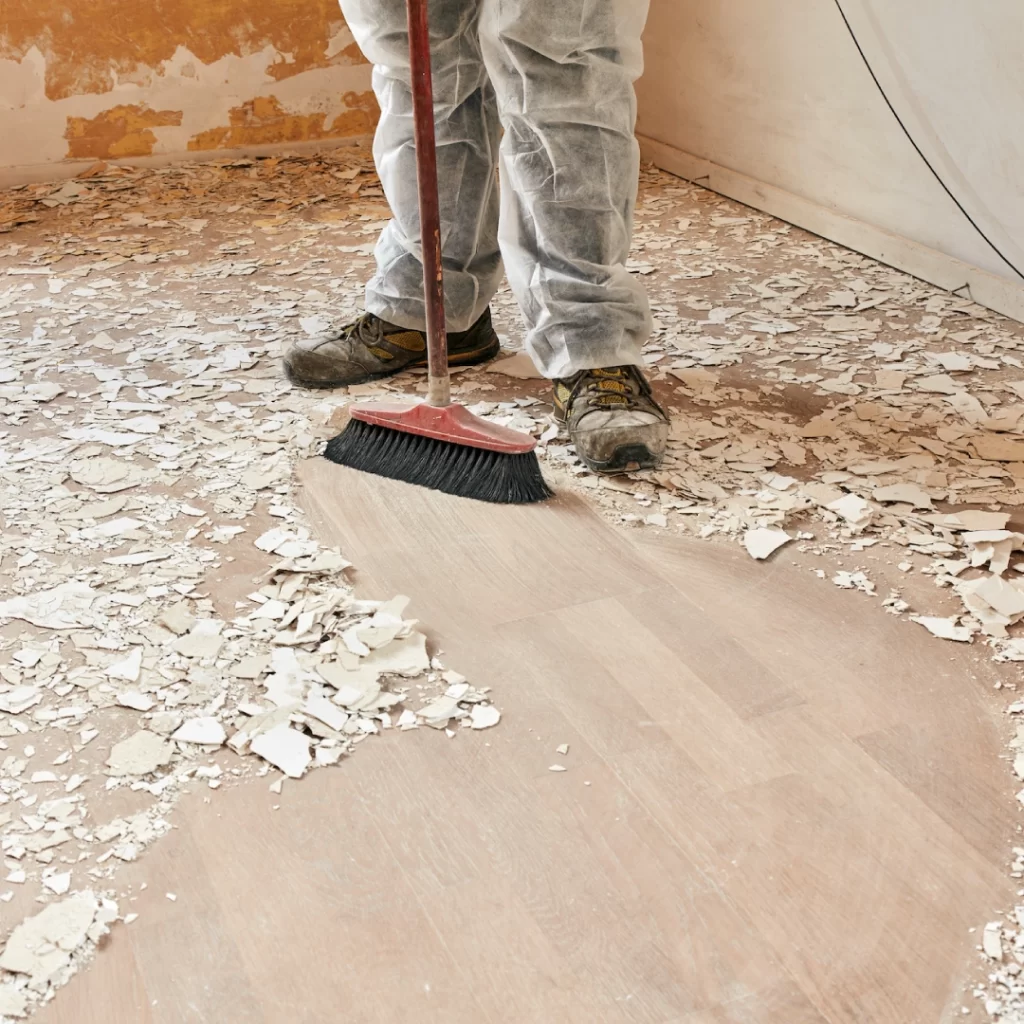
x,y
371,348
613,419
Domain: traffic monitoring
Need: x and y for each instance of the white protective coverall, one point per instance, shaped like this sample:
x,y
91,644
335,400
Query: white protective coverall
x,y
557,76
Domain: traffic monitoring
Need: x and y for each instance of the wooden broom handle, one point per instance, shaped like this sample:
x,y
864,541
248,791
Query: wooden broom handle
x,y
439,380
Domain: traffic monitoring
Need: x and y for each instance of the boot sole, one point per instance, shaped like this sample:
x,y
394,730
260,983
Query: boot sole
x,y
625,458
472,358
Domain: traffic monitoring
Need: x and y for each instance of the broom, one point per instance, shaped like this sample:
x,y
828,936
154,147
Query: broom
x,y
437,443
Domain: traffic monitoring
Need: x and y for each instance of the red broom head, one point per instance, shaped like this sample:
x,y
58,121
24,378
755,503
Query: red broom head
x,y
446,449
453,423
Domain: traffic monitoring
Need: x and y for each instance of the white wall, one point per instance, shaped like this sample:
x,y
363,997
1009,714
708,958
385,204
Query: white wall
x,y
771,102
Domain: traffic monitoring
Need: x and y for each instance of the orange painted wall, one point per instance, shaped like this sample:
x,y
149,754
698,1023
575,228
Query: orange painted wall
x,y
108,79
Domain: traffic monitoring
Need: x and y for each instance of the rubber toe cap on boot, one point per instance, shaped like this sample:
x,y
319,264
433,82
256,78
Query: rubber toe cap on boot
x,y
618,441
323,363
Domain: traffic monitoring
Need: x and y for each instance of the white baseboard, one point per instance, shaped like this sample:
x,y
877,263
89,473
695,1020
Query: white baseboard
x,y
947,272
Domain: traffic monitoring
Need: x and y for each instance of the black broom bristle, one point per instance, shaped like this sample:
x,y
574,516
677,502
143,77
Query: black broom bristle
x,y
457,469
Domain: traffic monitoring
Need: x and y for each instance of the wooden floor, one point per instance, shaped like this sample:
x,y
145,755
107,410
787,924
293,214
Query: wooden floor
x,y
782,806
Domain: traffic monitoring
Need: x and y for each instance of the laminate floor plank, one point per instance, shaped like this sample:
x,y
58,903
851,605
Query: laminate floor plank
x,y
783,1003
780,805
484,569
961,794
670,694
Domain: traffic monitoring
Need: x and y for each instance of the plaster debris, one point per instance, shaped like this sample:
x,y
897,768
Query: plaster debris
x,y
484,716
177,618
103,474
128,669
997,448
58,883
903,494
854,581
146,452
945,629
66,606
203,640
20,698
284,748
439,711
991,941
762,543
323,710
13,1003
854,509
520,366
206,731
141,754
43,947
135,700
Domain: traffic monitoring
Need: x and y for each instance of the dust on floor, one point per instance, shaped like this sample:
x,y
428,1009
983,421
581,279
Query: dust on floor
x,y
826,409
169,621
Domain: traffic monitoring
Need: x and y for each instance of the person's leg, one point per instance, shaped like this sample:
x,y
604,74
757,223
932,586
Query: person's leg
x,y
570,163
389,336
467,145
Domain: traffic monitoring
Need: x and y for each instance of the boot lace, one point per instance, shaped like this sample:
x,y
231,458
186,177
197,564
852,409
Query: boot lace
x,y
616,387
367,329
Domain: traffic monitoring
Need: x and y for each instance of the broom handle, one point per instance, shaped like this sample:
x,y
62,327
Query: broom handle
x,y
438,380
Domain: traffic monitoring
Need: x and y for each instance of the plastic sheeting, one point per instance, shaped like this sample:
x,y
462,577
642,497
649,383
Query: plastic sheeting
x,y
558,78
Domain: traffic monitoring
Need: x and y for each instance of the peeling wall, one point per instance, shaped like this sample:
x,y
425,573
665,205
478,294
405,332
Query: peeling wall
x,y
114,79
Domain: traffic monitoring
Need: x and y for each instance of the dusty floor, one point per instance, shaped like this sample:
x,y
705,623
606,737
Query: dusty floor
x,y
680,819
869,426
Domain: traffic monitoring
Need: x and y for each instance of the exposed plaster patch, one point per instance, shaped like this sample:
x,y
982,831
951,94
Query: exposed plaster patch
x,y
263,120
90,47
203,94
121,131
